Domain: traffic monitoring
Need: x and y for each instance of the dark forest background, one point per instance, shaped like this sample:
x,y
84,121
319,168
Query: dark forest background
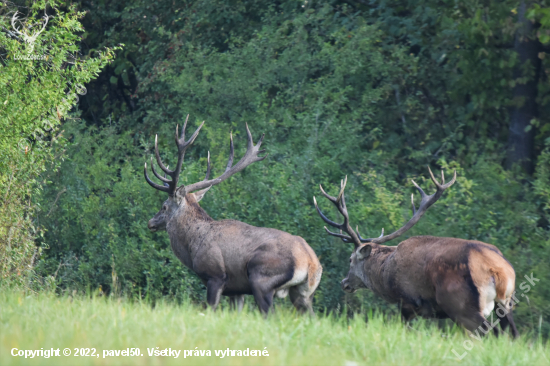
x,y
375,90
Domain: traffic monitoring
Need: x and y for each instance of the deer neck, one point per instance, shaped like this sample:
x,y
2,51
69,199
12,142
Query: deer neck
x,y
377,270
188,229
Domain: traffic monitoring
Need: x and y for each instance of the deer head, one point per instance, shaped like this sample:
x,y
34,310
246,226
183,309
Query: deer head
x,y
178,196
356,277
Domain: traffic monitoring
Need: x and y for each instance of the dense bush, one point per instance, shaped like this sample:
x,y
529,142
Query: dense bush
x,y
40,77
335,95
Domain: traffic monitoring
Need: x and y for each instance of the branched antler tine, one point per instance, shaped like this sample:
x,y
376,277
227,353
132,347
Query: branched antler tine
x,y
358,234
422,193
345,238
325,219
445,186
193,136
159,161
184,127
182,148
263,157
259,143
340,203
163,179
208,168
250,157
153,184
425,204
231,152
433,179
328,196
342,187
182,131
250,141
344,208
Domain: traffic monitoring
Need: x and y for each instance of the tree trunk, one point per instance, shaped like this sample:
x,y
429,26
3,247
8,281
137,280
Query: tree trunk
x,y
520,141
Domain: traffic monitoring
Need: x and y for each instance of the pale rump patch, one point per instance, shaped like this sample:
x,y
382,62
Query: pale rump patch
x,y
494,278
487,297
303,281
300,276
281,294
507,299
299,282
510,288
307,271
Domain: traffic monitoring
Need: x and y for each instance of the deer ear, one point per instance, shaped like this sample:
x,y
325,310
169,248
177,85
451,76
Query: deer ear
x,y
200,194
364,251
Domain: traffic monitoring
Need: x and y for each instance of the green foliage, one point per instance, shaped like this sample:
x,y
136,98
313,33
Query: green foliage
x,y
289,338
335,96
98,224
40,76
540,12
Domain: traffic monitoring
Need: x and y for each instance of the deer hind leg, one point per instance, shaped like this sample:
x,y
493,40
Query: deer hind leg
x,y
264,285
301,298
267,272
236,302
458,297
508,320
505,292
263,295
301,294
407,313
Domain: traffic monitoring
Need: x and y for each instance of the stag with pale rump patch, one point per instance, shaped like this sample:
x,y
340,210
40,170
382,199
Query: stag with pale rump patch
x,y
431,277
230,257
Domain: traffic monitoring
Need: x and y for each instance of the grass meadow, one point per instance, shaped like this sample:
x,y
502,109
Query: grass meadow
x,y
44,321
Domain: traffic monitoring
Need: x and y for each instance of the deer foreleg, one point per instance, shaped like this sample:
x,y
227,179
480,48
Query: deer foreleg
x,y
214,289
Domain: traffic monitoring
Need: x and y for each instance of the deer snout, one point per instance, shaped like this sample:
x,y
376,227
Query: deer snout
x,y
346,287
151,226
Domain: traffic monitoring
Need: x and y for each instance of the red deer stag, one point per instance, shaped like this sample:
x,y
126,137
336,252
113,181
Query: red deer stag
x,y
230,257
429,276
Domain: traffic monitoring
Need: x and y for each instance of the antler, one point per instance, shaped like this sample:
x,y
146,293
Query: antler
x,y
13,19
356,238
251,156
340,203
29,38
171,184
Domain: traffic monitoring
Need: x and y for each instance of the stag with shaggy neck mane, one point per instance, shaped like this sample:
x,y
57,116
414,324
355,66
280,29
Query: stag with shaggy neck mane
x,y
429,276
230,257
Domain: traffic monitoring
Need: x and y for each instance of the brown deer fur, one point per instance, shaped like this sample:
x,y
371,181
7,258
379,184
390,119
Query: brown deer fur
x,y
429,276
436,277
230,257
